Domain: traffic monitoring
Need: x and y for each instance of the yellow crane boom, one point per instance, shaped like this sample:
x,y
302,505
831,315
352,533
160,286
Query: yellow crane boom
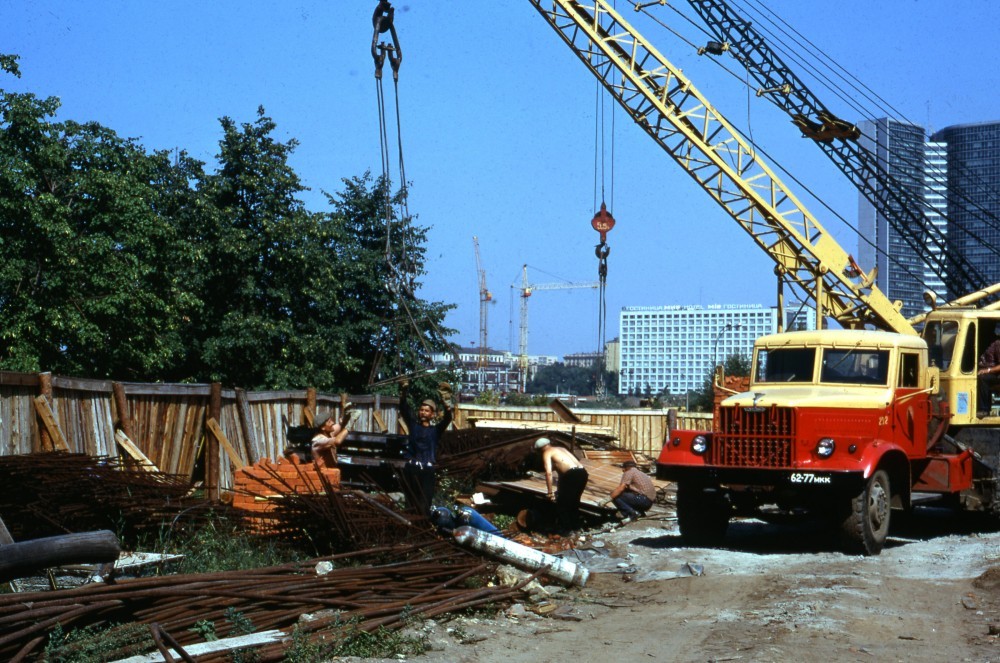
x,y
671,110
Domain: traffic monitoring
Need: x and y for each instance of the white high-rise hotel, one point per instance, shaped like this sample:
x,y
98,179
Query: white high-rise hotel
x,y
675,347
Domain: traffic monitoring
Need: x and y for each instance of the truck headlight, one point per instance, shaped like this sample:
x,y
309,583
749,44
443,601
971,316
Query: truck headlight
x,y
825,447
699,445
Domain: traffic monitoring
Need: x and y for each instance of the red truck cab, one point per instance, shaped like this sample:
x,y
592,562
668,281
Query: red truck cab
x,y
836,423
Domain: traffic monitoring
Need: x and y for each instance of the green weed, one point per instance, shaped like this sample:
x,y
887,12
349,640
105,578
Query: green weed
x,y
93,644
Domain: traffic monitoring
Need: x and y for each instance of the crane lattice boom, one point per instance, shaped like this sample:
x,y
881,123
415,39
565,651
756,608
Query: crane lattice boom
x,y
669,108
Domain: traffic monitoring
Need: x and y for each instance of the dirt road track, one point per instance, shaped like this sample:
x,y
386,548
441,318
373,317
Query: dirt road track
x,y
774,593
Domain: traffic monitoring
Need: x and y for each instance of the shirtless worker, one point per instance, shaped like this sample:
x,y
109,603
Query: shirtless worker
x,y
572,480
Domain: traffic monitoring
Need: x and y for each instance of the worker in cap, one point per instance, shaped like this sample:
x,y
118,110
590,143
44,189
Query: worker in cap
x,y
330,433
988,375
572,478
635,492
421,445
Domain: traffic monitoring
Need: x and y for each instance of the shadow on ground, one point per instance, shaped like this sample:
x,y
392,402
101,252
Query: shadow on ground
x,y
803,535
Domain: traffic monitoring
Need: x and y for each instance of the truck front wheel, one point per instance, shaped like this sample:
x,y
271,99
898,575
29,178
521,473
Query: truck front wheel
x,y
702,514
866,527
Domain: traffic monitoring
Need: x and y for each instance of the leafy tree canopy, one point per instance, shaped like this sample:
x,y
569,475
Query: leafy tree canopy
x,y
121,263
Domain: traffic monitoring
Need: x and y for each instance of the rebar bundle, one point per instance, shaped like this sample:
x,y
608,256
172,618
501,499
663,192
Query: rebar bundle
x,y
46,494
426,580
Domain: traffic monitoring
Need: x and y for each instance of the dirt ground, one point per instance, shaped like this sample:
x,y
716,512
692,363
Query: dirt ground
x,y
773,593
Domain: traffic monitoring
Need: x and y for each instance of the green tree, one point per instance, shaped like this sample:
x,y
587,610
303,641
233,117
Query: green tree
x,y
381,257
91,269
271,316
560,378
703,400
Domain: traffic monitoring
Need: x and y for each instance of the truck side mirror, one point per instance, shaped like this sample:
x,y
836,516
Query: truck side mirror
x,y
719,380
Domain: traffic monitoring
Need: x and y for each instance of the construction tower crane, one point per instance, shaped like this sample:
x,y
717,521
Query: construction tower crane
x,y
901,206
485,299
526,289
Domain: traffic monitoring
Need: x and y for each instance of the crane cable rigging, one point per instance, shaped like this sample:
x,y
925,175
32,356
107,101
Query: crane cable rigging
x,y
757,148
602,222
401,271
963,268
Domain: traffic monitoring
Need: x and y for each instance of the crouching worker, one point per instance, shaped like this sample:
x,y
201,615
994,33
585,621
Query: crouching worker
x,y
330,434
421,447
635,492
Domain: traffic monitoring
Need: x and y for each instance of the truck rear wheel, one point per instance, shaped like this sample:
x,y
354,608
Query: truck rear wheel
x,y
702,514
866,527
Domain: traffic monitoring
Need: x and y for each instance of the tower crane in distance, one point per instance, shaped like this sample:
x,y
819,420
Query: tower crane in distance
x,y
526,289
485,299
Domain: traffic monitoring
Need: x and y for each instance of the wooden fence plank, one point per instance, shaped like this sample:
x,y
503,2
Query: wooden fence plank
x,y
129,447
49,420
234,455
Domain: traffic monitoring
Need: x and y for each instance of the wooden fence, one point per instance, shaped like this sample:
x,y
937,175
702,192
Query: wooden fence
x,y
168,423
642,431
179,426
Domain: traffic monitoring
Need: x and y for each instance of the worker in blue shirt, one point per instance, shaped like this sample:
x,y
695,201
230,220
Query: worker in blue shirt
x,y
421,447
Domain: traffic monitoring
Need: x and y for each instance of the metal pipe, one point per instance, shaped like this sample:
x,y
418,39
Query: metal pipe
x,y
522,556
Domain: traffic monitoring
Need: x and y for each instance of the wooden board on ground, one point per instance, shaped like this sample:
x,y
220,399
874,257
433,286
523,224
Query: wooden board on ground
x,y
611,457
603,478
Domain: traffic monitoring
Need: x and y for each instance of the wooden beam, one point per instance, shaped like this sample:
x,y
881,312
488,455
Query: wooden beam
x,y
234,455
121,405
379,421
45,389
203,648
584,429
135,452
18,560
246,424
563,412
49,421
211,447
309,412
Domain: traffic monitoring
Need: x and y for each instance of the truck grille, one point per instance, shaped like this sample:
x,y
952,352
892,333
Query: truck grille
x,y
751,437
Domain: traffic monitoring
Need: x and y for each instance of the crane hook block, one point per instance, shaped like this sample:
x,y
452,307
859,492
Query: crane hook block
x,y
382,21
603,222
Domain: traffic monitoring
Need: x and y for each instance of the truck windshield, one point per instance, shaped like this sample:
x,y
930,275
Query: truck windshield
x,y
855,366
785,364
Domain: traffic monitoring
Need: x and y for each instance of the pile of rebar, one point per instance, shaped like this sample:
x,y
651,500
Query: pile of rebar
x,y
325,519
47,494
363,592
485,454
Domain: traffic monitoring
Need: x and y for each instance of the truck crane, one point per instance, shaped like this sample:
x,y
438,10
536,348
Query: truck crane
x,y
525,291
844,424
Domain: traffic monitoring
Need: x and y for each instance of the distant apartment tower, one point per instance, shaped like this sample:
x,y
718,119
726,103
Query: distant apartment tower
x,y
899,149
973,195
673,348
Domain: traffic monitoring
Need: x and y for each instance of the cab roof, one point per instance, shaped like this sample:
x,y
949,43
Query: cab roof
x,y
843,338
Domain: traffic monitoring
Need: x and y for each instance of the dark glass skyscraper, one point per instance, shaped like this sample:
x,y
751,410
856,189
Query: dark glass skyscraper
x,y
973,195
899,147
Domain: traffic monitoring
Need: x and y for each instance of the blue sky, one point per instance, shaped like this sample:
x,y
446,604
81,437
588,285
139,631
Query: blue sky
x,y
499,128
